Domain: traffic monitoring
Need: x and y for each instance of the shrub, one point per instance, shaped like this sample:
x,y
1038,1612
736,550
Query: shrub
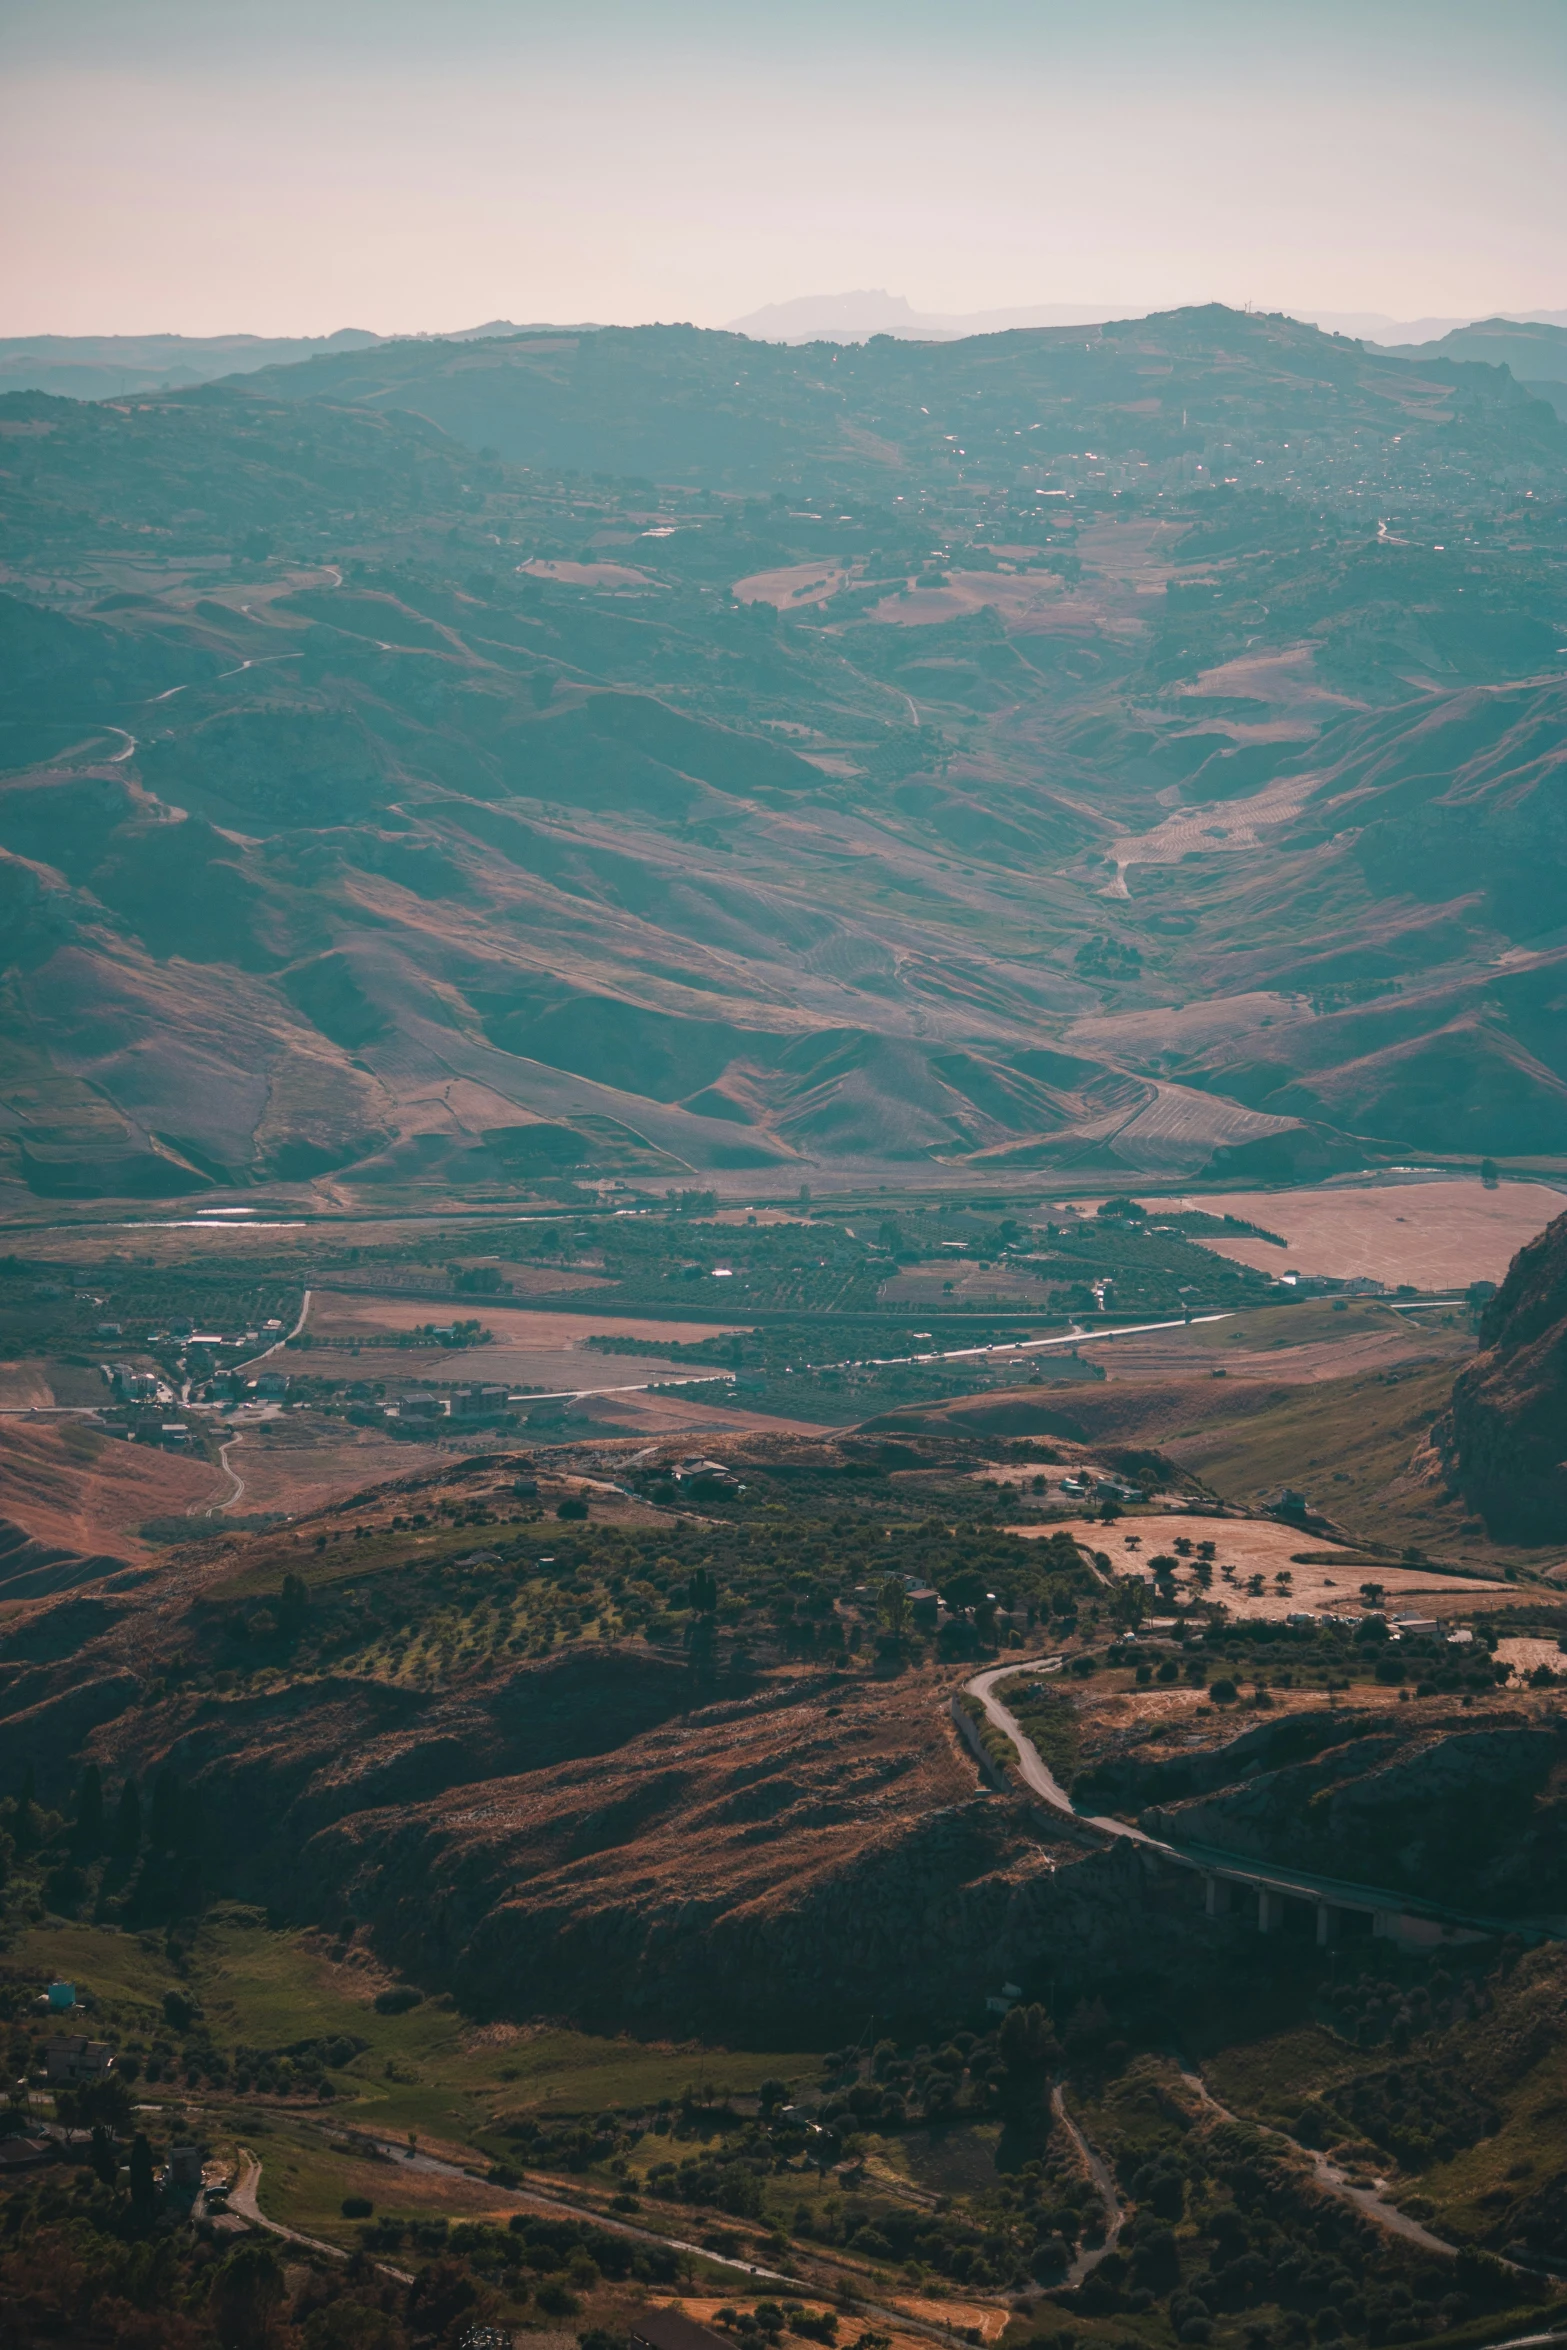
x,y
357,2207
398,2000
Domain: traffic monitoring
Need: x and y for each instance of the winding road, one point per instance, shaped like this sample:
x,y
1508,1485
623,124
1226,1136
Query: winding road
x,y
279,1343
1368,2201
243,2199
216,1509
1099,2171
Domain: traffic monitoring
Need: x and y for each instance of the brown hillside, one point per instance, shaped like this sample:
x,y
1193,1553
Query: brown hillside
x,y
1507,1430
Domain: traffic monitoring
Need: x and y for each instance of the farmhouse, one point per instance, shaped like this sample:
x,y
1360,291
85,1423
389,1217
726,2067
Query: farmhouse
x,y
71,2056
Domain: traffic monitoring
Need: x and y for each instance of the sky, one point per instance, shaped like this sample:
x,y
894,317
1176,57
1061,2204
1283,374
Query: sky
x,y
202,167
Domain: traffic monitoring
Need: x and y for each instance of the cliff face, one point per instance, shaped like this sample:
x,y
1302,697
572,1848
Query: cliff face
x,y
1505,1437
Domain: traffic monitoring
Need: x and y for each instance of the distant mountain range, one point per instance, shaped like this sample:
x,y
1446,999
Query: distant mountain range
x,y
647,751
854,318
1535,349
109,367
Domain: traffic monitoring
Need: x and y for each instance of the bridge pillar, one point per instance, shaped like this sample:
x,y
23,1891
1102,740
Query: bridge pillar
x,y
1270,1910
1216,1896
1327,1924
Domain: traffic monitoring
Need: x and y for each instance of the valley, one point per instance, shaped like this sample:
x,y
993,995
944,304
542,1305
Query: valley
x,y
783,1135
1090,819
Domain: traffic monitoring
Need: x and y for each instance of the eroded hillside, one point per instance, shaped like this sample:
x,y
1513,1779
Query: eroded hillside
x,y
870,797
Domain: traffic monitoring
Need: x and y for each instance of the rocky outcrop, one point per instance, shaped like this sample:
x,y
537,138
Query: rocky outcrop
x,y
1505,1436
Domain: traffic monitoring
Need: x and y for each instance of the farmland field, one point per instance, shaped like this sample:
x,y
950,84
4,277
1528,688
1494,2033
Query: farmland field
x,y
530,1348
1263,1546
304,1462
1435,1235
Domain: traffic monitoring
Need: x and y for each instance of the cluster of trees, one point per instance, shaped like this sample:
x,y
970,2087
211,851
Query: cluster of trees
x,y
87,2262
1416,2111
1258,2238
135,1857
551,2261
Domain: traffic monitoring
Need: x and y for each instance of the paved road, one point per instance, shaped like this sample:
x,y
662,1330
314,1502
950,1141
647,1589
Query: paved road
x,y
1035,1771
242,2199
1300,1884
278,1344
1366,2200
1019,1346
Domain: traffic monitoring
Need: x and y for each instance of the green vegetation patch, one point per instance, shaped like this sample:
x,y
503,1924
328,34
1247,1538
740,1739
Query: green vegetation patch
x,y
1051,1721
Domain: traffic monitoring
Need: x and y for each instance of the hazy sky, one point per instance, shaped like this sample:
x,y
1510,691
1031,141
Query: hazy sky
x,y
202,166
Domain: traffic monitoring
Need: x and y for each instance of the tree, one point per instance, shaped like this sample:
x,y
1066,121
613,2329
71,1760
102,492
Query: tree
x,y
127,1822
102,2104
244,2296
87,1834
441,2292
1129,1604
702,1591
163,1823
104,2155
25,1825
144,2186
352,2325
893,1605
1029,2045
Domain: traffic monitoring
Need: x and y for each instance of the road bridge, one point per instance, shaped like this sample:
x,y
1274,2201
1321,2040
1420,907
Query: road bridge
x,y
1270,1896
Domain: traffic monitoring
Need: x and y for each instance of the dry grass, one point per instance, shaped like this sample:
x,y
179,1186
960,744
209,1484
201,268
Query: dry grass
x,y
78,1489
589,575
322,1461
531,1347
1526,1655
1435,1235
1030,603
1253,1546
526,1328
792,584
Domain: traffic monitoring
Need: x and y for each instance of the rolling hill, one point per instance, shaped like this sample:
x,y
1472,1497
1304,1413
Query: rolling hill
x,y
1068,750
